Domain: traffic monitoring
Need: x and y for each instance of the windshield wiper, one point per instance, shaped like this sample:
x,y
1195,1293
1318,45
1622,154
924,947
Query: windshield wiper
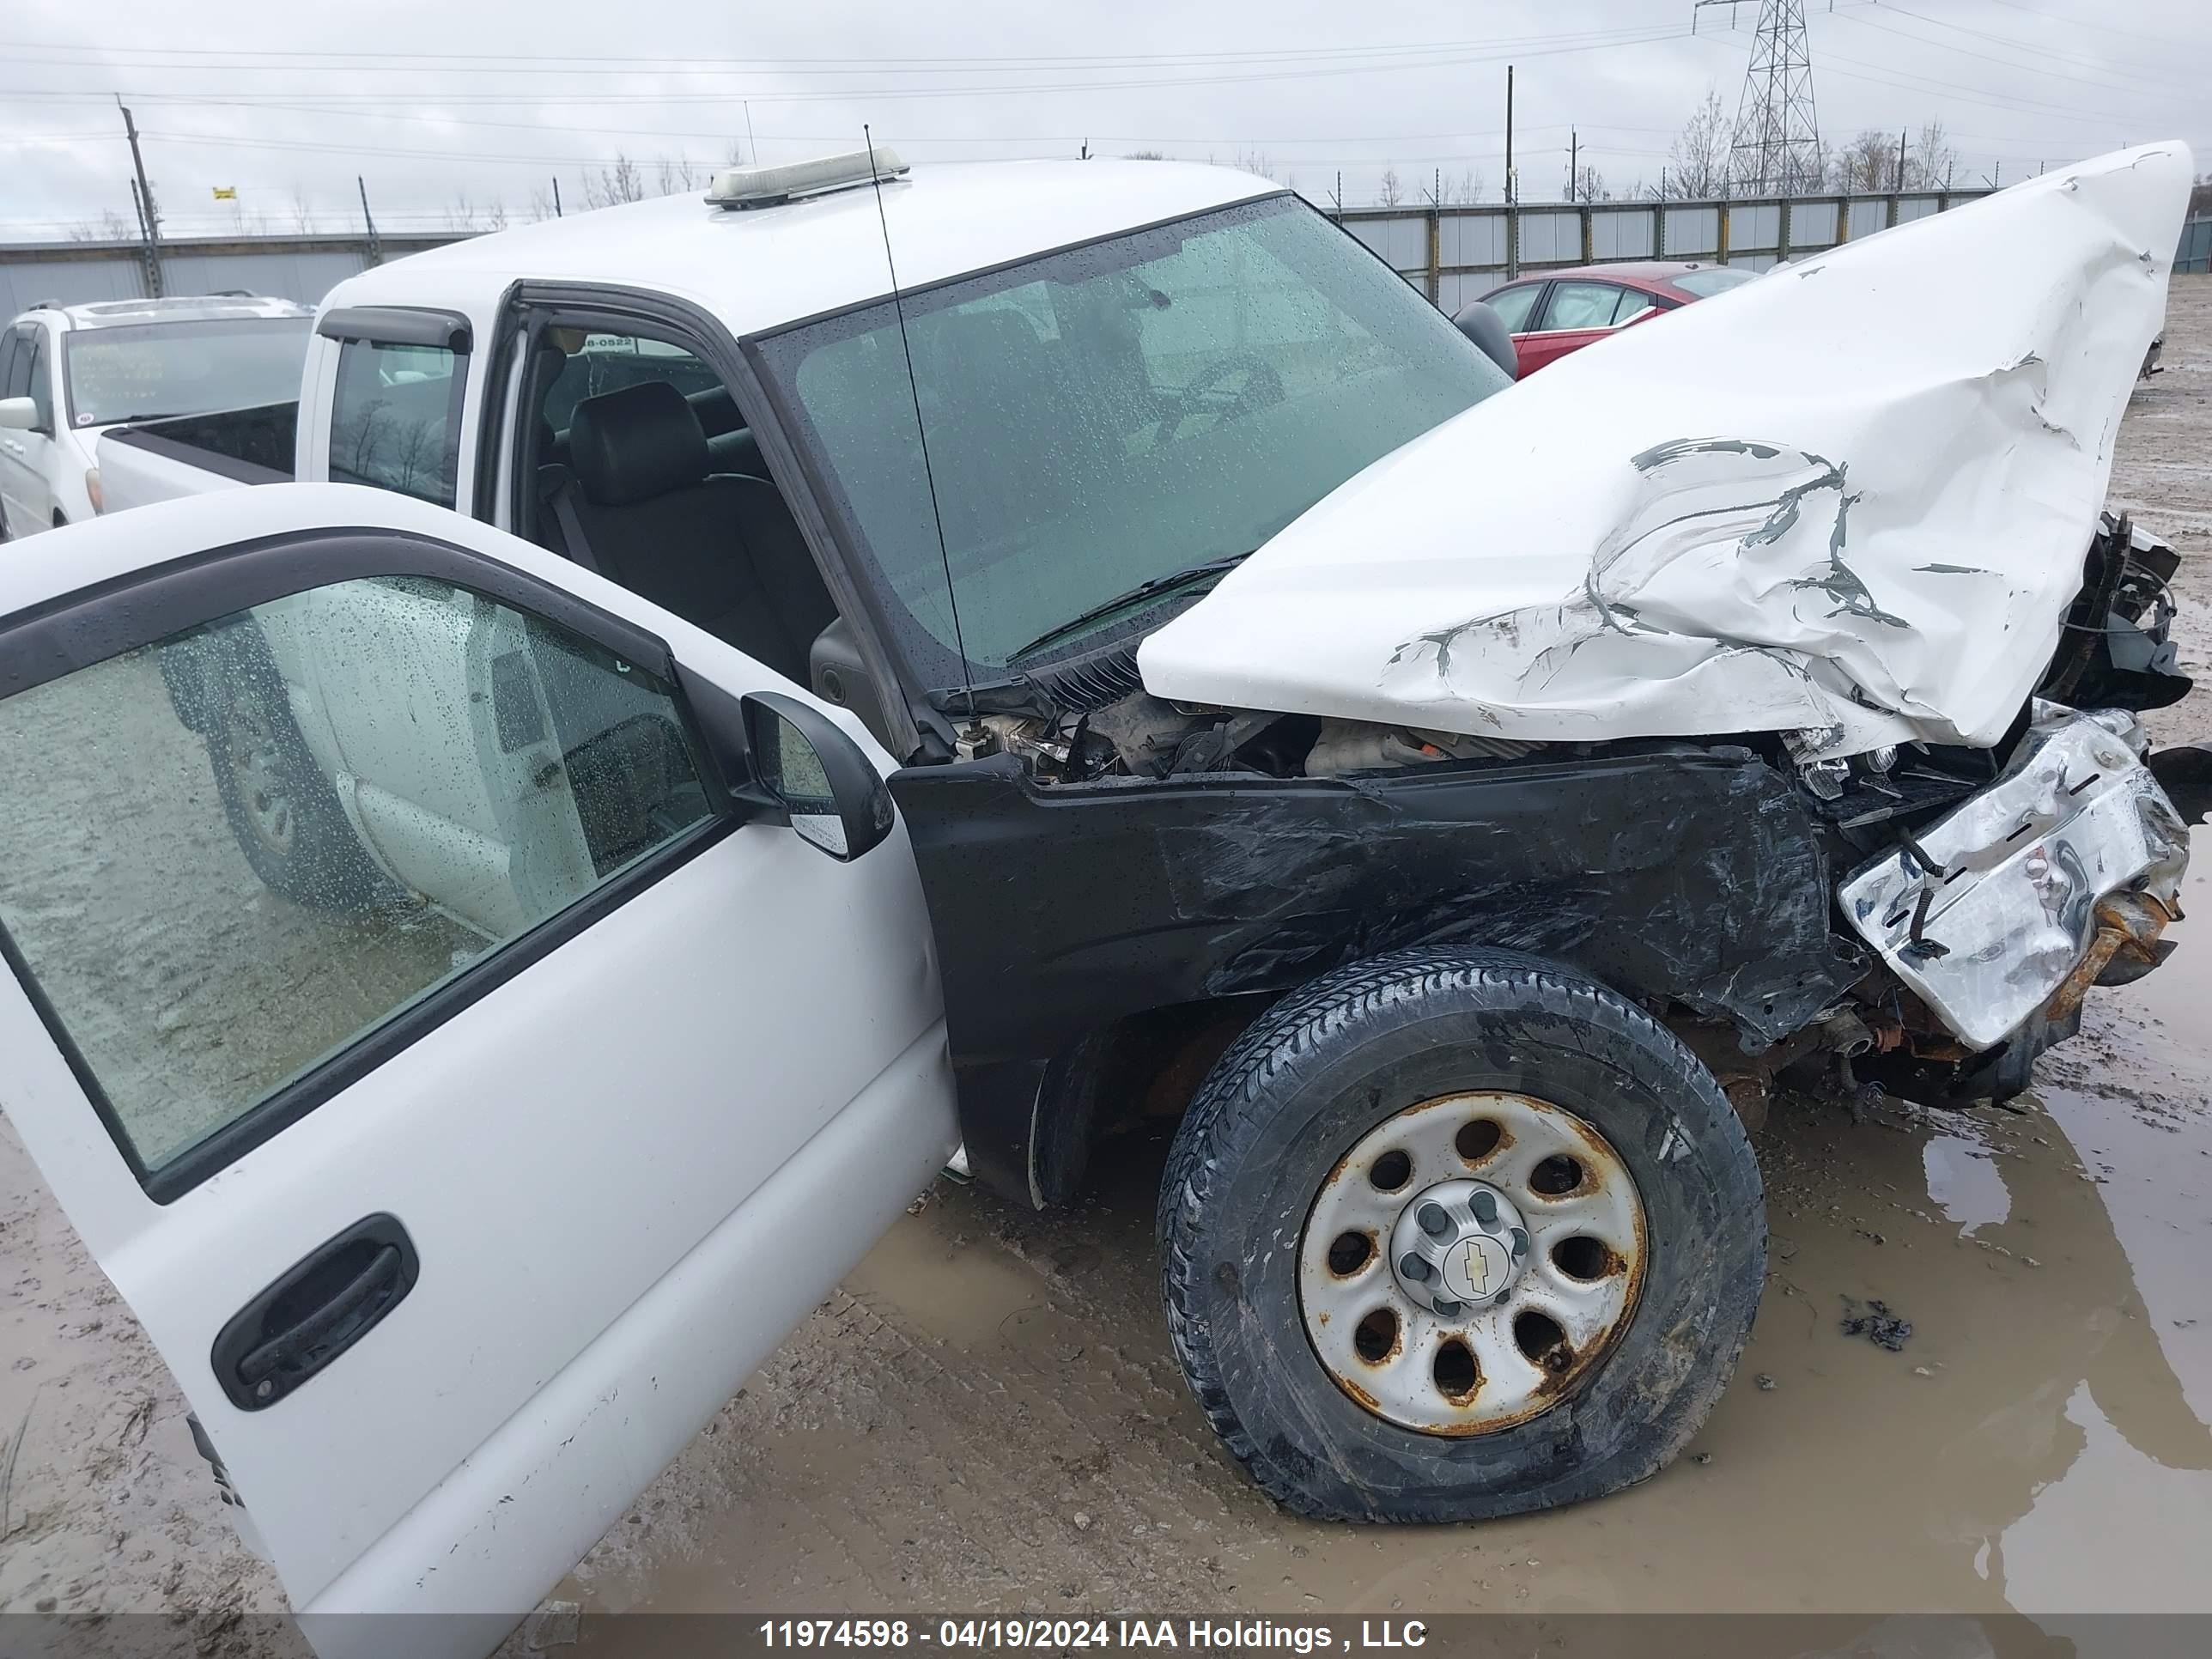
x,y
1145,590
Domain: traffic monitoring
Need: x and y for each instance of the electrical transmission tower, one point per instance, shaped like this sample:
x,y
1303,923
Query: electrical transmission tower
x,y
1776,150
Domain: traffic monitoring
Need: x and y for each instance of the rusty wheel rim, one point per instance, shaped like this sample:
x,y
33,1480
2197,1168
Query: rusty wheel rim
x,y
1470,1261
256,770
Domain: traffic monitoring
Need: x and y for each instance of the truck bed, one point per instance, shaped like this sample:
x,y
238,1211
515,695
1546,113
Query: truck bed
x,y
192,454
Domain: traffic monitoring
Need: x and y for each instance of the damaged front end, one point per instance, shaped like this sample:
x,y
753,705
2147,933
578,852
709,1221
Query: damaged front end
x,y
1772,666
1120,882
1997,917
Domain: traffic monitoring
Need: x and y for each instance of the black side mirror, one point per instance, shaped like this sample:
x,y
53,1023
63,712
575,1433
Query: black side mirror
x,y
1487,330
834,795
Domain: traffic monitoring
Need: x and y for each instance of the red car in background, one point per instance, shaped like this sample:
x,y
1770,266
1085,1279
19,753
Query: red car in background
x,y
1557,311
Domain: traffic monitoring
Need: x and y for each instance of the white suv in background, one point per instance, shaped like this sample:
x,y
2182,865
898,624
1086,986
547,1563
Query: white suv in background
x,y
69,372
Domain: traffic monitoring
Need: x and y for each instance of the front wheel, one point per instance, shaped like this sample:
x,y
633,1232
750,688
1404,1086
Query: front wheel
x,y
1453,1235
282,809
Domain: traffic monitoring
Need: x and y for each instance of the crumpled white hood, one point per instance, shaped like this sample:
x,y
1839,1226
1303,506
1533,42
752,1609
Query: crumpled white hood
x,y
1851,499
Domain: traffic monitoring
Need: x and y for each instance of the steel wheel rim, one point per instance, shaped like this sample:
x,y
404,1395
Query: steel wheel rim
x,y
249,747
1404,1347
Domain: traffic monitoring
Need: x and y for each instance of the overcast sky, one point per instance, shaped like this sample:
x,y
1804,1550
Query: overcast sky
x,y
432,101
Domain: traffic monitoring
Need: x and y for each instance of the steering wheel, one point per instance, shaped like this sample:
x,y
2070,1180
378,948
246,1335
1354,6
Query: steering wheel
x,y
1262,386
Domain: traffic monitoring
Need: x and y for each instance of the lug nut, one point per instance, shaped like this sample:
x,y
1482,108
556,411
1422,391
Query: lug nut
x,y
1448,1309
1519,1241
1434,1222
1485,1205
1413,1267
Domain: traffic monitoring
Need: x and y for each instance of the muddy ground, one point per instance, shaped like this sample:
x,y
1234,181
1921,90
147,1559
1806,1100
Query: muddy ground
x,y
986,1417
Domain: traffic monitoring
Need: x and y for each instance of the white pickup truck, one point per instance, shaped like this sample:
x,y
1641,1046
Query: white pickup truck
x,y
1219,692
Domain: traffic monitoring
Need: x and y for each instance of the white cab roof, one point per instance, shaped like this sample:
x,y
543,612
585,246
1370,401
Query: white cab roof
x,y
761,268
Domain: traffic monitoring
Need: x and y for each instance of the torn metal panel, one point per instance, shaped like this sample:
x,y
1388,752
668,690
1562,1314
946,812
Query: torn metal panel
x,y
2003,904
1689,873
1849,499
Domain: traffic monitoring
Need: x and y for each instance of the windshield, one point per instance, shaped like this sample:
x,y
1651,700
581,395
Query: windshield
x,y
136,373
1103,417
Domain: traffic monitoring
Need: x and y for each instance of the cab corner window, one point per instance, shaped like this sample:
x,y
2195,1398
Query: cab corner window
x,y
230,856
395,418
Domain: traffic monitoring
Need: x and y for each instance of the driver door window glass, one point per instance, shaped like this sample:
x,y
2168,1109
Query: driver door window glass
x,y
1582,304
1513,305
395,418
213,902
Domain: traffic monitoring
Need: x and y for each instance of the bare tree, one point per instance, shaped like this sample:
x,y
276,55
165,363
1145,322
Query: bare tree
x,y
303,211
1932,161
1464,191
1255,161
495,214
610,186
1588,185
1868,162
540,205
461,213
1391,192
1144,155
674,176
111,227
1698,160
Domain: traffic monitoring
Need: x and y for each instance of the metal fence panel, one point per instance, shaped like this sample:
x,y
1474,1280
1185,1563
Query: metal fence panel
x,y
1754,227
1468,239
1456,288
1812,225
1692,233
1403,241
1909,208
68,283
1869,214
302,276
1551,237
2196,250
1621,234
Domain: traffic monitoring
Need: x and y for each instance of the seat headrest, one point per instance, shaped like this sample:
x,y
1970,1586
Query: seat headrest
x,y
632,445
737,451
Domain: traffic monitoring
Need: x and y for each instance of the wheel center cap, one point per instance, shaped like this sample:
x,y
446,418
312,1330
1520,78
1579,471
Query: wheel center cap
x,y
1457,1245
1478,1268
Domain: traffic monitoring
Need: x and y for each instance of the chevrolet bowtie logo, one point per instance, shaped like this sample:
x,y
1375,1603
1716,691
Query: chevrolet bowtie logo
x,y
1476,1266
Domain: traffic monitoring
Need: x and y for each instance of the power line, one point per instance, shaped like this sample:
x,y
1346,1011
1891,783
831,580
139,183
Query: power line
x,y
513,61
1983,57
2010,105
2099,27
887,93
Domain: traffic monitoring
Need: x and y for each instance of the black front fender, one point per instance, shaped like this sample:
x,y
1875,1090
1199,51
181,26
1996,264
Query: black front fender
x,y
1666,871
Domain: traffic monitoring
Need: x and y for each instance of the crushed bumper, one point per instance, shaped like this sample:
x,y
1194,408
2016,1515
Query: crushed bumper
x,y
2063,871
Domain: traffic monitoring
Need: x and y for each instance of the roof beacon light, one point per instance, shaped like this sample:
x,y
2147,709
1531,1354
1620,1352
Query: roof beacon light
x,y
756,187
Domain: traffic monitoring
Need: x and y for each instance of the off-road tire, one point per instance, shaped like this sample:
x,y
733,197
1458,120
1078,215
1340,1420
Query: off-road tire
x,y
1326,1065
321,863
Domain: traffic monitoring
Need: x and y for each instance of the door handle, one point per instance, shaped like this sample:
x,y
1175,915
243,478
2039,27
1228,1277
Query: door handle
x,y
321,1306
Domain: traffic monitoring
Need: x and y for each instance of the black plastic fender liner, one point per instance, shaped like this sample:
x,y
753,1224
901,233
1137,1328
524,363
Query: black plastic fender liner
x,y
1663,870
